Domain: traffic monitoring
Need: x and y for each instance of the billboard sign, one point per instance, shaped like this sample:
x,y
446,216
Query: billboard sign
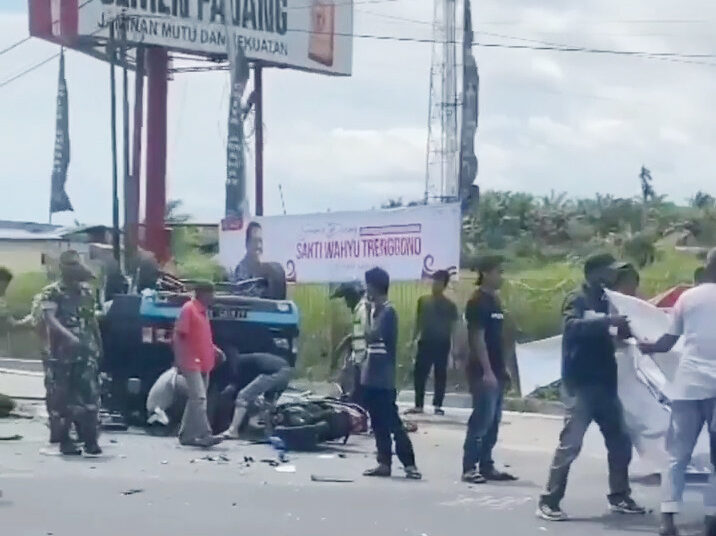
x,y
410,243
312,35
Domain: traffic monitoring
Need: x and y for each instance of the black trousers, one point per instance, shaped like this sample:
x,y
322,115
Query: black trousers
x,y
385,419
431,354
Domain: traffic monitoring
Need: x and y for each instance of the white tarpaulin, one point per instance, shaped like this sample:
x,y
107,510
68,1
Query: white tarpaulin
x,y
643,381
410,243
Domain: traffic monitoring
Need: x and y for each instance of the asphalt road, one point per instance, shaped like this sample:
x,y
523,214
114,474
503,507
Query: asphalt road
x,y
49,495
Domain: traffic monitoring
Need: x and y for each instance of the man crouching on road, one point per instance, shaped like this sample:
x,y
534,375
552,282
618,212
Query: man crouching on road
x,y
253,376
589,390
378,379
196,356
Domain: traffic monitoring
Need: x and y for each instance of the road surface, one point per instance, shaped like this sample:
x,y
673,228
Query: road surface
x,y
179,494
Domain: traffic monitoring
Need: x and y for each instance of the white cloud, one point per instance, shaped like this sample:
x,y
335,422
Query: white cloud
x,y
547,68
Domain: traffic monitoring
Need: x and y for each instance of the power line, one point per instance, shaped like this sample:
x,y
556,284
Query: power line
x,y
49,59
14,45
676,57
25,39
563,47
28,70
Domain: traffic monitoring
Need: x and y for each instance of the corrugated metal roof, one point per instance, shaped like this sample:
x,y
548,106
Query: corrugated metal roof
x,y
23,234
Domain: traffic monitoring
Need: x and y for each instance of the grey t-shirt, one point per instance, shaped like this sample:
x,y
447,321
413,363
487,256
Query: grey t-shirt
x,y
378,371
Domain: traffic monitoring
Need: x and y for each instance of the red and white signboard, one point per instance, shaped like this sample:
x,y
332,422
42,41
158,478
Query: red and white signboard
x,y
410,243
313,35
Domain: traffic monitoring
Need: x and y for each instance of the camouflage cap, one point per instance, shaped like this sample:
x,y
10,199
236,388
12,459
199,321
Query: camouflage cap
x,y
72,267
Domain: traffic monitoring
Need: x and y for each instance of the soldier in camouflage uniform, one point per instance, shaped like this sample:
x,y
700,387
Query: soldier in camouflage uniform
x,y
72,368
34,320
6,320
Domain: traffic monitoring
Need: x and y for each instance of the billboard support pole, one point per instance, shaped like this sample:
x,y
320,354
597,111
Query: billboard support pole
x,y
132,232
157,62
259,134
113,121
128,251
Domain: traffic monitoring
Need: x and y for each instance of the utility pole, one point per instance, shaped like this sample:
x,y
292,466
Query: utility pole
x,y
113,107
128,253
131,238
259,135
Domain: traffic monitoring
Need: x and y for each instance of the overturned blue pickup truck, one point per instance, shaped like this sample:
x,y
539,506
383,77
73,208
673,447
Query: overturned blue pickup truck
x,y
137,333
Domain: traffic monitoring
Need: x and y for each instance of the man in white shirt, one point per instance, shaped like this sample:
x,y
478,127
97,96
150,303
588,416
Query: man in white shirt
x,y
692,393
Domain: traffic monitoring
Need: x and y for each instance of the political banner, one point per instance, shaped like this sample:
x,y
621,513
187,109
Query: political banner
x,y
410,243
312,35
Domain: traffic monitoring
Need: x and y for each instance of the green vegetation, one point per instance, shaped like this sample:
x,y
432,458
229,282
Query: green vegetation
x,y
544,239
19,298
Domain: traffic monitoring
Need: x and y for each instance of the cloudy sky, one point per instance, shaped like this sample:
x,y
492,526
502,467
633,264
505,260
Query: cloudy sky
x,y
574,122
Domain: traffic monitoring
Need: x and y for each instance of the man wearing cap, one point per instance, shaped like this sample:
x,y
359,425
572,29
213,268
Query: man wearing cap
x,y
589,390
72,369
195,357
354,296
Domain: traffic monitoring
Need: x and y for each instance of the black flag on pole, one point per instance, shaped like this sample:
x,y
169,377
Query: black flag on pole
x,y
470,95
59,202
235,159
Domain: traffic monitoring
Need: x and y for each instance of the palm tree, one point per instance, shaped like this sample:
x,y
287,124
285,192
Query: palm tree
x,y
702,200
172,214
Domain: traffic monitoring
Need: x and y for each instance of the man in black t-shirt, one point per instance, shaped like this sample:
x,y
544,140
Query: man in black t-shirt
x,y
486,374
434,326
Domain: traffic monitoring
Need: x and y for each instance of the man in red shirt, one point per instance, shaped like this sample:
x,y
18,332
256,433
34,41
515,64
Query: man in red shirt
x,y
196,356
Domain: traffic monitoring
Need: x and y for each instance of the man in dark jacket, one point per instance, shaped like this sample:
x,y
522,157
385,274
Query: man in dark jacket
x,y
589,390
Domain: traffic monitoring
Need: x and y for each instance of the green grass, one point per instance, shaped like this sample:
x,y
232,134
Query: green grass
x,y
532,295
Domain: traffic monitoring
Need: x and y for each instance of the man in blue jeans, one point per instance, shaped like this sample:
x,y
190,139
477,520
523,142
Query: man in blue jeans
x,y
486,374
692,393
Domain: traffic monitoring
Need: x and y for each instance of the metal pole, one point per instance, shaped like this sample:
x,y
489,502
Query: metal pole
x,y
125,141
156,162
131,240
259,133
113,107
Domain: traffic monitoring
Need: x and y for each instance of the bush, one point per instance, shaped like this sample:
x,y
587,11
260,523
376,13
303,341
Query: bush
x,y
22,289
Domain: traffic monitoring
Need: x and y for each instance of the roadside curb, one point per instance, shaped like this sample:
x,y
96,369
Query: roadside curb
x,y
21,372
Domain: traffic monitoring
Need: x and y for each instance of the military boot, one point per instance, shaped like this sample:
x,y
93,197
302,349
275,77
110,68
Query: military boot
x,y
55,430
67,446
88,432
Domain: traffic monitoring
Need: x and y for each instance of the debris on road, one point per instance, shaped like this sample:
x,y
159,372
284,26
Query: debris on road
x,y
335,479
219,459
286,469
272,463
133,491
14,437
